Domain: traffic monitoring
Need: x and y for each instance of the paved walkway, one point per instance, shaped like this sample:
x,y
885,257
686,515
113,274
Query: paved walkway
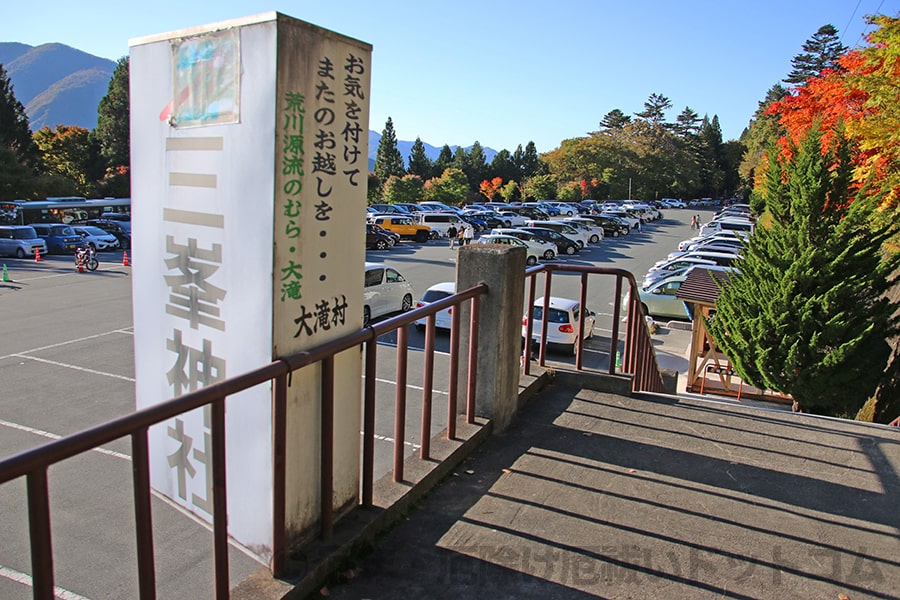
x,y
597,495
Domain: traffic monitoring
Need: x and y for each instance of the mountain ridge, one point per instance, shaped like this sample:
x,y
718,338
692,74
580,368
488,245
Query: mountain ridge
x,y
61,85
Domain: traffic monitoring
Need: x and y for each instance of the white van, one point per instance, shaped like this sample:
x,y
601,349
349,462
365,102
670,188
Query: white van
x,y
440,221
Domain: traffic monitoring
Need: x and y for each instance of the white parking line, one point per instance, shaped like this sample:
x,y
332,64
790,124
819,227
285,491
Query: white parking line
x,y
90,337
24,579
53,436
74,367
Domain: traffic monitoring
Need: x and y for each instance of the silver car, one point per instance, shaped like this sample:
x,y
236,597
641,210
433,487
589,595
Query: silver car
x,y
96,238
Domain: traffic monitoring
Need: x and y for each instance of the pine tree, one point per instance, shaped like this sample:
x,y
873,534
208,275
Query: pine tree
x,y
113,128
443,162
806,313
15,133
419,163
531,163
820,52
614,119
654,111
388,160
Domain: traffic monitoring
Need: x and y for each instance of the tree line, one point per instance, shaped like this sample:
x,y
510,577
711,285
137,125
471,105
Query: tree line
x,y
66,160
642,156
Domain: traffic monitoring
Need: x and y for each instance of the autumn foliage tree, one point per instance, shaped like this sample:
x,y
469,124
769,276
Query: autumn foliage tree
x,y
805,311
490,189
863,93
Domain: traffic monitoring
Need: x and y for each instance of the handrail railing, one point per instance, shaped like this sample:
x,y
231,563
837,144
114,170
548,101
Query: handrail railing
x,y
640,361
639,355
34,464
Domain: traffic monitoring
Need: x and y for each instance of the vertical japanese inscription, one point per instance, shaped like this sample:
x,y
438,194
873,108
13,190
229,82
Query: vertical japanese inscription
x,y
336,109
292,159
191,265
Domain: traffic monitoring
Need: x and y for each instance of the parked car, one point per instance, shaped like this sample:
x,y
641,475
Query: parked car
x,y
572,232
563,320
564,245
593,231
386,291
404,226
624,215
60,238
532,252
390,209
98,239
395,237
378,240
439,222
612,227
659,299
565,209
512,219
120,229
438,291
20,241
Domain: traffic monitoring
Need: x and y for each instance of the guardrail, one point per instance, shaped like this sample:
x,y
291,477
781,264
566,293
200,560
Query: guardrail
x,y
638,357
35,463
639,361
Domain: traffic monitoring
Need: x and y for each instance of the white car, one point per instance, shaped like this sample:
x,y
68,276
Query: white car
x,y
511,219
565,209
564,316
97,238
532,252
594,232
577,235
725,235
438,291
386,291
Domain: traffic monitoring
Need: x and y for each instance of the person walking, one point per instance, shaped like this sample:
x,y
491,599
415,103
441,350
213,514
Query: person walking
x,y
451,235
469,234
460,236
694,222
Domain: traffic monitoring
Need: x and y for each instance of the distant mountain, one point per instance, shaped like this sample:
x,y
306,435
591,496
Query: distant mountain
x,y
58,85
405,148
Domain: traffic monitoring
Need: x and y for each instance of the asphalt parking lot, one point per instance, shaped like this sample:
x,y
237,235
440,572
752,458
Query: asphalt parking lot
x,y
67,363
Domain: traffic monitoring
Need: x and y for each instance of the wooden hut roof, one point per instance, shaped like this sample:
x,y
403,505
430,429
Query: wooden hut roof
x,y
702,285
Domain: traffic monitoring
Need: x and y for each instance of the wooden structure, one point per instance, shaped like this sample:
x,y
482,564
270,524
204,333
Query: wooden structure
x,y
709,370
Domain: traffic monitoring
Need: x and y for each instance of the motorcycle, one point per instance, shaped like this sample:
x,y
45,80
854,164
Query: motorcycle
x,y
86,257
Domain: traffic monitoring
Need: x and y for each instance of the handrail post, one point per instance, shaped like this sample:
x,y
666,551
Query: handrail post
x,y
143,515
400,403
39,527
327,433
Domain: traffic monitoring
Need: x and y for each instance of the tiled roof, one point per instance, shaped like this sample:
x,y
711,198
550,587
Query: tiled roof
x,y
702,285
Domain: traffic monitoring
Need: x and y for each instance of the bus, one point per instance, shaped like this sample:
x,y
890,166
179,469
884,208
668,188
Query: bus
x,y
60,210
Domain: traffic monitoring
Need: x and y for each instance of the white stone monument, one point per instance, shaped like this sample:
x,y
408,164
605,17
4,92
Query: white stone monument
x,y
249,143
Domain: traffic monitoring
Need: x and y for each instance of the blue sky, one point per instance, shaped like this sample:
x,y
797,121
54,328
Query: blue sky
x,y
508,72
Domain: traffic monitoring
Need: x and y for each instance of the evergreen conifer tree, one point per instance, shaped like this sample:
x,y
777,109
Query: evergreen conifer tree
x,y
805,312
820,52
388,160
15,132
113,127
419,163
443,162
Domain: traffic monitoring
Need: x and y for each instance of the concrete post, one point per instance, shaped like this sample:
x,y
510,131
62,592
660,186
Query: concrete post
x,y
502,268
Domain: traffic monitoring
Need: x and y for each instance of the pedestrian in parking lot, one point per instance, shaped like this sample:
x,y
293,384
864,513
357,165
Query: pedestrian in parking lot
x,y
451,234
640,226
694,222
461,235
469,234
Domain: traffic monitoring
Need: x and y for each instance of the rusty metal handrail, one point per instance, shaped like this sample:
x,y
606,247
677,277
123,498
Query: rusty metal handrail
x,y
639,355
33,464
